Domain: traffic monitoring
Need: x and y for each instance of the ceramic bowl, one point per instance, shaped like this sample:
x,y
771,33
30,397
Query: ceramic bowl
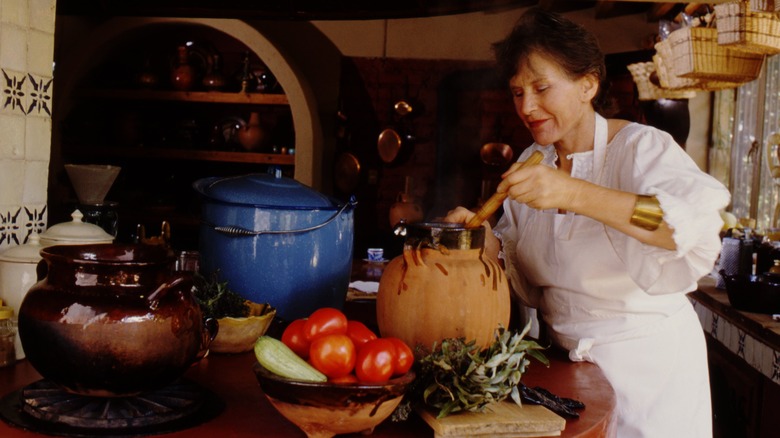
x,y
322,410
238,335
753,293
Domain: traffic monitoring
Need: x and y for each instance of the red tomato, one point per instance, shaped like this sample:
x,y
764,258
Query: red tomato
x,y
404,356
325,321
359,333
333,355
375,361
349,379
293,337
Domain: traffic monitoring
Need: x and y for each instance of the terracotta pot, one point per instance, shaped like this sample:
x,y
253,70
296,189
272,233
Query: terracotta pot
x,y
112,320
253,135
442,287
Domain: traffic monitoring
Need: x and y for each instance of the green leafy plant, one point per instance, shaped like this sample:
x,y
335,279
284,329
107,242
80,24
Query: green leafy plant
x,y
458,376
216,300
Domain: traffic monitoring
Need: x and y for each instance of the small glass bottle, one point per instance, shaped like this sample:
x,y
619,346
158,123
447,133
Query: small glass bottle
x,y
7,336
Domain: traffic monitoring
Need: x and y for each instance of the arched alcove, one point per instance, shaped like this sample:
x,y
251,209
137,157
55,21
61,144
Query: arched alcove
x,y
303,101
90,48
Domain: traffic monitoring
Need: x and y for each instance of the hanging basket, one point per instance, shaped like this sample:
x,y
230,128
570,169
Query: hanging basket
x,y
696,54
647,90
765,5
663,68
671,81
740,28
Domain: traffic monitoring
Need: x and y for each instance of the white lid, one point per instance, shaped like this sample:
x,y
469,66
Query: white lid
x,y
30,252
75,232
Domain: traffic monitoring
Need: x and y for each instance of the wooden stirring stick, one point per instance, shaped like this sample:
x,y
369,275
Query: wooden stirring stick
x,y
491,205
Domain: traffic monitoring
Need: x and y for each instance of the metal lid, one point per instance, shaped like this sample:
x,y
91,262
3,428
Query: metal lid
x,y
75,232
30,252
262,190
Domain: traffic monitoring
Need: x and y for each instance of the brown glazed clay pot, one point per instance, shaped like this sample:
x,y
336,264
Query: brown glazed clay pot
x,y
112,320
442,287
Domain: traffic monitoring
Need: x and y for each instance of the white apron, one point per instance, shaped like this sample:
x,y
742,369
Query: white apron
x,y
650,347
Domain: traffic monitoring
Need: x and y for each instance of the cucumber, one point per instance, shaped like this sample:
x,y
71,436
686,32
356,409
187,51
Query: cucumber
x,y
279,359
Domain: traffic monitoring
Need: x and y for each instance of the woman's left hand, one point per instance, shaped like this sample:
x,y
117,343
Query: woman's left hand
x,y
540,187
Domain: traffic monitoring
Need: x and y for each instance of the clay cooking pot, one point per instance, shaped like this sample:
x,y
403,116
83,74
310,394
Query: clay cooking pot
x,y
112,320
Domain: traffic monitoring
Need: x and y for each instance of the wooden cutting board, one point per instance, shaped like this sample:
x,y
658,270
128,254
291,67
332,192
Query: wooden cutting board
x,y
505,419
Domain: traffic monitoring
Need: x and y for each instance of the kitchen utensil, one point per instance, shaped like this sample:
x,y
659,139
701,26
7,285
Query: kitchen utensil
x,y
92,182
394,143
347,172
112,320
277,241
496,154
494,202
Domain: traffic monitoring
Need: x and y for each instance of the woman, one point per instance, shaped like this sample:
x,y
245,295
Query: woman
x,y
607,235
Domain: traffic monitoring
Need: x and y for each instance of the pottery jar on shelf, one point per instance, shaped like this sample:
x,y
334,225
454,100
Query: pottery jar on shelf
x,y
253,135
182,73
112,319
442,263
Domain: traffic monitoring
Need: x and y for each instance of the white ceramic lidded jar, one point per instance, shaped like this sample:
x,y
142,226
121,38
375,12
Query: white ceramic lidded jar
x,y
18,272
75,232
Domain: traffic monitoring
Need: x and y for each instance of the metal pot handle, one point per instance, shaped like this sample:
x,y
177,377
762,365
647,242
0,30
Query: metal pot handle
x,y
233,230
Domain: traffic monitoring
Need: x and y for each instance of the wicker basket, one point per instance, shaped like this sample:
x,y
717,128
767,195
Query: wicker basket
x,y
670,81
765,5
742,29
647,90
663,68
696,54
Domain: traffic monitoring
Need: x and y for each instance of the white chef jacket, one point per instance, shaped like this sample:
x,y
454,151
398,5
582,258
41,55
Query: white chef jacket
x,y
614,301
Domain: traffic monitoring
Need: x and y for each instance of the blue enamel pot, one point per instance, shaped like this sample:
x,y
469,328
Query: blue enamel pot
x,y
277,241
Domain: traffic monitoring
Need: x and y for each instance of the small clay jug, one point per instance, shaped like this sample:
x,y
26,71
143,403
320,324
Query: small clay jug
x,y
253,135
112,320
442,263
215,80
182,73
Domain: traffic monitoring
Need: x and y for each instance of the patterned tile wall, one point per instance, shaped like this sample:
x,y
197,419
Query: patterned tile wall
x,y
758,355
26,77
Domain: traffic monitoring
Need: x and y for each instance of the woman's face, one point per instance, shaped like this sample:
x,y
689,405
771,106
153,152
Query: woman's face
x,y
551,104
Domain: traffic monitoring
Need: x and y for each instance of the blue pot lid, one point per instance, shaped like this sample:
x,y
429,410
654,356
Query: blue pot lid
x,y
263,190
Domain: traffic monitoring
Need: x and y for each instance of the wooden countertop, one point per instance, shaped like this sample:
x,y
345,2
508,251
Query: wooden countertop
x,y
758,325
246,411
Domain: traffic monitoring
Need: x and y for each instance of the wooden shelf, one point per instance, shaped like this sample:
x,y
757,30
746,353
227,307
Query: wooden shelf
x,y
189,96
187,154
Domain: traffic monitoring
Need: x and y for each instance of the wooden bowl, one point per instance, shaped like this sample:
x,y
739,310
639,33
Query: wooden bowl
x,y
238,335
322,410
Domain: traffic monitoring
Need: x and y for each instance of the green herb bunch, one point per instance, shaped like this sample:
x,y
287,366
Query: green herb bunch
x,y
216,300
459,376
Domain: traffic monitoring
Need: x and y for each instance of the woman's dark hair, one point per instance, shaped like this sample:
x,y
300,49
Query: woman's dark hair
x,y
575,49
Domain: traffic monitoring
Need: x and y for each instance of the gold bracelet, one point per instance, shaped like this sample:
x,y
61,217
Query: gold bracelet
x,y
647,212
